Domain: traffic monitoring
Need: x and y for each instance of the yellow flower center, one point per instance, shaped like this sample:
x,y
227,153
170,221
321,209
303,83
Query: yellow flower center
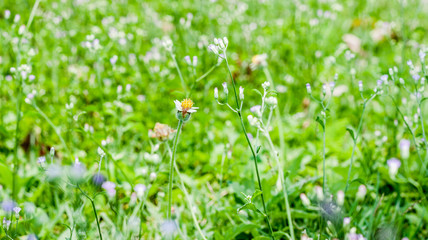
x,y
186,104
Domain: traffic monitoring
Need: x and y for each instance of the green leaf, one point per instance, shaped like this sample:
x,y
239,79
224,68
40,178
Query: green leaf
x,y
256,194
257,91
320,121
351,131
235,231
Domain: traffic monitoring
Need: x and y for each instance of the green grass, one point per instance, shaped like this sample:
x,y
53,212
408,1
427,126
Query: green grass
x,y
102,77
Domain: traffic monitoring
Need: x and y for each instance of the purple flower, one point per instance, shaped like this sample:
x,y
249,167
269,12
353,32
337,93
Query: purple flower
x,y
8,205
255,109
110,188
98,179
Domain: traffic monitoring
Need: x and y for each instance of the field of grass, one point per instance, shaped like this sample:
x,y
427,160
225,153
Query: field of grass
x,y
213,119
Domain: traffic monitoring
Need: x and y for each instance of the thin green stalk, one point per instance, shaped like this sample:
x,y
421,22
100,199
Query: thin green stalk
x,y
53,126
324,177
355,138
238,111
94,209
277,115
19,102
189,202
183,83
207,73
171,168
284,189
424,136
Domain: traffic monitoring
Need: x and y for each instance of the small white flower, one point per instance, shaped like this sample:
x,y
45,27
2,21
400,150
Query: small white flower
x,y
153,176
272,101
393,164
17,210
41,160
140,189
185,106
265,85
110,188
216,93
253,120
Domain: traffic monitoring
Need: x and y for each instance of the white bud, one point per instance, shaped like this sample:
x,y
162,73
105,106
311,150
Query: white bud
x,y
319,193
187,59
241,93
340,198
265,85
6,14
305,200
362,191
360,86
226,91
195,61
216,93
226,41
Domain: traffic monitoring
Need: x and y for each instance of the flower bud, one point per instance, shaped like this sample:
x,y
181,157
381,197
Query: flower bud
x,y
360,86
226,91
305,200
241,93
308,88
362,191
215,93
340,198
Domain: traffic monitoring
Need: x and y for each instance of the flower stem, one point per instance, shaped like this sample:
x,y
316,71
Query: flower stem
x,y
183,83
94,209
171,168
356,139
250,145
284,189
189,202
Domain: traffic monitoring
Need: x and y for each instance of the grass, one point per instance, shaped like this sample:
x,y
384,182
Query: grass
x,y
83,84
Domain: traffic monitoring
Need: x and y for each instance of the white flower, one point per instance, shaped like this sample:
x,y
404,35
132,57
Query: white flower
x,y
17,210
153,176
185,106
265,85
41,160
393,164
253,120
140,189
110,188
404,146
272,101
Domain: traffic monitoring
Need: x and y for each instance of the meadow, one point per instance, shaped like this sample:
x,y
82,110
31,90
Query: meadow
x,y
216,119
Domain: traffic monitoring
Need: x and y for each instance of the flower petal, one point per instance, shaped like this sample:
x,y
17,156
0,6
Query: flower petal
x,y
178,105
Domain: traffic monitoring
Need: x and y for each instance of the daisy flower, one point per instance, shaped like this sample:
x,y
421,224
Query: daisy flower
x,y
185,107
